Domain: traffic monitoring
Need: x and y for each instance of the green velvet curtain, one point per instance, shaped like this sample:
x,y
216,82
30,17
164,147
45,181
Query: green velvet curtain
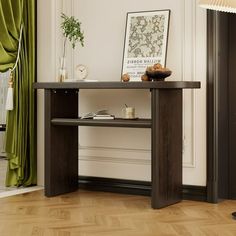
x,y
20,133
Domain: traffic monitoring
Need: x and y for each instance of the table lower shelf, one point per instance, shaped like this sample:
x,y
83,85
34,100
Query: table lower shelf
x,y
137,123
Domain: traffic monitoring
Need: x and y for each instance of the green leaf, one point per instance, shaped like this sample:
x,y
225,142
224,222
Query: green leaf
x,y
71,29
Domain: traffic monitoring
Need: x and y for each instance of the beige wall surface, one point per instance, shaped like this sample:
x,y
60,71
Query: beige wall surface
x,y
125,153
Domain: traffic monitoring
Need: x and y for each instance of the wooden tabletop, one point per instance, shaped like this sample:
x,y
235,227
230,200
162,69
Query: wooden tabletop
x,y
119,85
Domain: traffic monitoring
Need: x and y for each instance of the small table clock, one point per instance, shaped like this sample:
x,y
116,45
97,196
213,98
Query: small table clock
x,y
81,72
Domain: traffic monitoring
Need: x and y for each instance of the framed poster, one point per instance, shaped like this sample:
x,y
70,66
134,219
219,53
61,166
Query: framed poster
x,y
145,41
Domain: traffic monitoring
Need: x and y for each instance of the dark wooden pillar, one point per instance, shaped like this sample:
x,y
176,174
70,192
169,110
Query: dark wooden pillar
x,y
166,147
212,163
221,108
61,143
232,106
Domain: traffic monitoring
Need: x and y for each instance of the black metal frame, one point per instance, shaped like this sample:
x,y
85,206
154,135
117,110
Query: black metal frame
x,y
126,24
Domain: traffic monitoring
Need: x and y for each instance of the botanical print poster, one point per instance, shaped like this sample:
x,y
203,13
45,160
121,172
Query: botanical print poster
x,y
145,41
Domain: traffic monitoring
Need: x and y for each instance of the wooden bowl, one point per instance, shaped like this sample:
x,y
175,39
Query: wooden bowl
x,y
158,74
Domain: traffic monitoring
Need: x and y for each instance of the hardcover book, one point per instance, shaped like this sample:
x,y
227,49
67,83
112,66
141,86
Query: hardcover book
x,y
109,117
99,115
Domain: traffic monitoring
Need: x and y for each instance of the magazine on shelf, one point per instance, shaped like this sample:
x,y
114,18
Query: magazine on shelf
x,y
99,115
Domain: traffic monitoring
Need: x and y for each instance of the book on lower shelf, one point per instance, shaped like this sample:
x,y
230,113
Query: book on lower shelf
x,y
107,117
99,115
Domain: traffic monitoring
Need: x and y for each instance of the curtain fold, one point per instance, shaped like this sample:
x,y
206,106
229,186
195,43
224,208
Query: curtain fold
x,y
20,136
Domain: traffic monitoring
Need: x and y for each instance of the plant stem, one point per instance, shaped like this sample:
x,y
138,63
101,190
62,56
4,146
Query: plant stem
x,y
64,47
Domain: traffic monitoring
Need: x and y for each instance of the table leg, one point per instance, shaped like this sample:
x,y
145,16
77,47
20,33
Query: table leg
x,y
61,143
166,147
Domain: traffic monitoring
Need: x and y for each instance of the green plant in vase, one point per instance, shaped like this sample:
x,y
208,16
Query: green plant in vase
x,y
71,29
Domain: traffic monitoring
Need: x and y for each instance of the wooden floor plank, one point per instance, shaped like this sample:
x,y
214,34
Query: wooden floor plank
x,y
86,213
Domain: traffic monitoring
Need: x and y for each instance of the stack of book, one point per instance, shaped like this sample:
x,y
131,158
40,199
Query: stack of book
x,y
100,115
104,117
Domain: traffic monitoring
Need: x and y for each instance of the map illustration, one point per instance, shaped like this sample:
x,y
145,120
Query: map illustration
x,y
146,36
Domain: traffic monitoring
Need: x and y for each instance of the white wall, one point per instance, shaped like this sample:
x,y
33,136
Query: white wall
x,y
125,153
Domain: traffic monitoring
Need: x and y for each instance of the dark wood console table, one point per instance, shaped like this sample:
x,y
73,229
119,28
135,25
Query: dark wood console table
x,y
61,135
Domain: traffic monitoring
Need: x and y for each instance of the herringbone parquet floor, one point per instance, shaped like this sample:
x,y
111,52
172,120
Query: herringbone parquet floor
x,y
107,214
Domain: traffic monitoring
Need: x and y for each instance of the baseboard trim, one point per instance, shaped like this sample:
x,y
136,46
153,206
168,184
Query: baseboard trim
x,y
197,193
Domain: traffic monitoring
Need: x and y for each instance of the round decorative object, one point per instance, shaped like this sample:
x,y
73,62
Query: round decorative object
x,y
125,77
145,78
158,74
81,72
157,66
